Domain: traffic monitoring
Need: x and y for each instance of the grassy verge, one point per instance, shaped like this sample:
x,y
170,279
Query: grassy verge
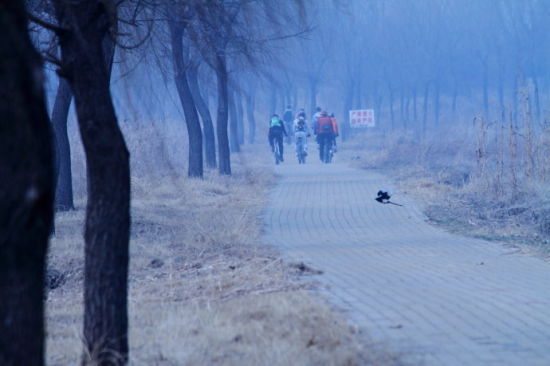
x,y
466,184
203,290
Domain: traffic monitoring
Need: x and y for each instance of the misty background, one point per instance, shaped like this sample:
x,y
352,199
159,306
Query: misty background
x,y
460,83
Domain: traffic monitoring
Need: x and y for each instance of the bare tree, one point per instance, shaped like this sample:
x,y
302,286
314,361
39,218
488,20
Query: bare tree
x,y
84,26
60,113
206,117
26,191
178,16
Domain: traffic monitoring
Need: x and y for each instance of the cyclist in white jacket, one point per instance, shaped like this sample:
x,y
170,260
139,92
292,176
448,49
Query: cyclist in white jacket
x,y
301,133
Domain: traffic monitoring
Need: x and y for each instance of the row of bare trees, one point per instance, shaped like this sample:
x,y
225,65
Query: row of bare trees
x,y
423,64
222,37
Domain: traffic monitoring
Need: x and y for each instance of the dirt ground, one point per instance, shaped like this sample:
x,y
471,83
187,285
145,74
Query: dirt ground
x,y
203,290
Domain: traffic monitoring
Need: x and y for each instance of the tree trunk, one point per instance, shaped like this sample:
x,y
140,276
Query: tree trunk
x,y
240,116
486,92
425,109
501,98
392,114
108,209
454,99
273,102
347,107
415,111
406,120
358,95
26,191
64,181
536,97
515,100
233,125
436,104
224,157
378,108
192,123
250,104
60,113
402,106
207,124
313,97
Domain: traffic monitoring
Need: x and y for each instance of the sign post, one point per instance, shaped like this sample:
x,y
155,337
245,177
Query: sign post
x,y
361,118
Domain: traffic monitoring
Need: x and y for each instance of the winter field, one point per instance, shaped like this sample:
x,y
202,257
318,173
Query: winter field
x,y
204,290
488,180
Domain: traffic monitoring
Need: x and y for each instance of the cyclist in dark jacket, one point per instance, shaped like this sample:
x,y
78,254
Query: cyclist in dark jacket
x,y
276,132
288,118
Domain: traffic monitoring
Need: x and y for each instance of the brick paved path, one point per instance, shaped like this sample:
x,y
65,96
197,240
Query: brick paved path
x,y
439,298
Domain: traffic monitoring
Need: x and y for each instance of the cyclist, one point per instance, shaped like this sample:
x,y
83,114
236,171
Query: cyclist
x,y
276,132
301,113
287,118
316,116
325,131
301,132
335,129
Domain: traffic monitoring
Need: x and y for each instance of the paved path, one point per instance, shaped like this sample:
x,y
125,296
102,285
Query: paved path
x,y
439,298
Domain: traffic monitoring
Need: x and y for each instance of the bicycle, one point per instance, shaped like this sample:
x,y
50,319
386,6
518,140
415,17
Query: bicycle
x,y
327,152
300,149
288,137
277,153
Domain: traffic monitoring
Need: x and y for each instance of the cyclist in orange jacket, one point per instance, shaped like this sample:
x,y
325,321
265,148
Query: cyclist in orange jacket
x,y
326,130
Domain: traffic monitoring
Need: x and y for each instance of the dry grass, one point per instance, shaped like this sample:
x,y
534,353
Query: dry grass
x,y
470,180
202,289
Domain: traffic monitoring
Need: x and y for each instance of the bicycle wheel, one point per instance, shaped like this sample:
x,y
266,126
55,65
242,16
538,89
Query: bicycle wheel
x,y
325,153
276,154
328,152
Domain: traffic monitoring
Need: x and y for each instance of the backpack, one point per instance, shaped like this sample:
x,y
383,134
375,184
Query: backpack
x,y
301,126
324,125
275,122
287,116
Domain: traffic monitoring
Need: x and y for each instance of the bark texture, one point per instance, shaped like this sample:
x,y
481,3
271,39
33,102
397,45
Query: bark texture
x,y
26,191
60,113
224,158
207,124
107,212
186,98
240,116
250,106
233,125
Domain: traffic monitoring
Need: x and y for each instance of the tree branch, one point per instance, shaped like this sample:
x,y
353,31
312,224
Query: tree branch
x,y
47,25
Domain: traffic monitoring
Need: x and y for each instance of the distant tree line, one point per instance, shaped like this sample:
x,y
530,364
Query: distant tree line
x,y
421,64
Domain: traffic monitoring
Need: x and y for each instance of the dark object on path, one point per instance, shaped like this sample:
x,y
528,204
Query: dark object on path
x,y
384,197
156,263
303,269
54,279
